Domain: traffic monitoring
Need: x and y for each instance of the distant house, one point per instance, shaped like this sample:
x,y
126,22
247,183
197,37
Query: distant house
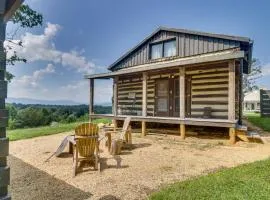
x,y
180,76
252,101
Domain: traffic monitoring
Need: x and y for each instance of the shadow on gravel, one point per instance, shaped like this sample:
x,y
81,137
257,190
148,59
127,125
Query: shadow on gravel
x,y
28,182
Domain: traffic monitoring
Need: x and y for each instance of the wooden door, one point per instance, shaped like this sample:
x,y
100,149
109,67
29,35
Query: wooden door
x,y
167,97
162,98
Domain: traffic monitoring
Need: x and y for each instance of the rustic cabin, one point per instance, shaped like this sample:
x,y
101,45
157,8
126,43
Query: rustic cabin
x,y
179,76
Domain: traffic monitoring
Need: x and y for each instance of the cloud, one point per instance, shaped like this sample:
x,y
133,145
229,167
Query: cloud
x,y
79,91
266,69
42,48
32,81
39,48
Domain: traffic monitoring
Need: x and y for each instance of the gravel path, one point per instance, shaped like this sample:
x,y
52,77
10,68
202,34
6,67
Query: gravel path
x,y
28,182
155,161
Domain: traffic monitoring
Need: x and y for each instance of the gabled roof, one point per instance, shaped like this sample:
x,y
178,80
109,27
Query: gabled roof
x,y
185,31
252,96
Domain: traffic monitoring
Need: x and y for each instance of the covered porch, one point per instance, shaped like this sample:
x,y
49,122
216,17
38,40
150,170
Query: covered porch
x,y
202,90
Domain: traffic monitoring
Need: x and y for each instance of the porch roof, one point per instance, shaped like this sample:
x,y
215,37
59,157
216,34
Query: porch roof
x,y
192,60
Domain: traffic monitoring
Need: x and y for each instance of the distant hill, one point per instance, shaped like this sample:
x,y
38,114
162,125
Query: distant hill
x,y
44,102
48,102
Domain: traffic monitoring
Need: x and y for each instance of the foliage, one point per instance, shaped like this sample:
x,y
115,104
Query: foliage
x,y
24,116
24,17
20,134
249,181
249,80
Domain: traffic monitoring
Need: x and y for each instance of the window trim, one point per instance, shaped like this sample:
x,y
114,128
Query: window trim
x,y
161,42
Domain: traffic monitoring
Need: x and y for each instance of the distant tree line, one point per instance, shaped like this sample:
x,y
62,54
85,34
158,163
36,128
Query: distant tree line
x,y
24,116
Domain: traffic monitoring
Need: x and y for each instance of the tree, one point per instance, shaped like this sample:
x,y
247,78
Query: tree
x,y
24,17
250,80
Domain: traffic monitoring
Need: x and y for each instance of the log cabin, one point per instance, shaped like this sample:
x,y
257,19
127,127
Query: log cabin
x,y
179,76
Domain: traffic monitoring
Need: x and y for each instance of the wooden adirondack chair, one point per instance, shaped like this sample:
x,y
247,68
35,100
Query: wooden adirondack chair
x,y
86,146
123,137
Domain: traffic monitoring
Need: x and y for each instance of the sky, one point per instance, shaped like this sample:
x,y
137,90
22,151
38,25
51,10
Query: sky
x,y
84,37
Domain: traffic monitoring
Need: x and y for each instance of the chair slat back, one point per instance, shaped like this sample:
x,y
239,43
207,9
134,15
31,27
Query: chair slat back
x,y
86,146
126,123
125,127
87,129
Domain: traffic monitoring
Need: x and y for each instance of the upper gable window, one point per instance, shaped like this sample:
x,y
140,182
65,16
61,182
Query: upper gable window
x,y
170,48
163,49
156,51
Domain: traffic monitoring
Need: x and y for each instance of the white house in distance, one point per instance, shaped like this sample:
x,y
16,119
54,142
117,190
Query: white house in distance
x,y
252,101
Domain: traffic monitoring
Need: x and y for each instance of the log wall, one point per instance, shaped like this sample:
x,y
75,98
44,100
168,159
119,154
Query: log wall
x,y
127,105
209,88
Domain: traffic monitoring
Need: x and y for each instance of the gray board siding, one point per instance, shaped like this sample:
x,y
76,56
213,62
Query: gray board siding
x,y
186,45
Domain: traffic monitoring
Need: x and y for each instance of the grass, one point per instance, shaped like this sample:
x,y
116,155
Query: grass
x,y
248,181
257,120
19,134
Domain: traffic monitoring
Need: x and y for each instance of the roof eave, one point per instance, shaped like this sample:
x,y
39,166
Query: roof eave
x,y
193,60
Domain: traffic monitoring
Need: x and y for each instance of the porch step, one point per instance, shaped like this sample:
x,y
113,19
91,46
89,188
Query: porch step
x,y
248,136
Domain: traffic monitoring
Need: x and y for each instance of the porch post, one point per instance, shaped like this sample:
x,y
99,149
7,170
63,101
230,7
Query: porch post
x,y
182,100
231,92
241,95
231,99
91,99
144,102
7,9
4,141
115,95
115,100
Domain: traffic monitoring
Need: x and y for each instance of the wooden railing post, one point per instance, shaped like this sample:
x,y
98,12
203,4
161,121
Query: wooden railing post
x,y
91,98
144,102
182,100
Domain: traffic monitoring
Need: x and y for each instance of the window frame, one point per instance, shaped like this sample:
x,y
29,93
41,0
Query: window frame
x,y
161,42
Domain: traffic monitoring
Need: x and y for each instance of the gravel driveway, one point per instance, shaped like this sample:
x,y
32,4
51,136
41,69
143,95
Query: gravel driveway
x,y
155,161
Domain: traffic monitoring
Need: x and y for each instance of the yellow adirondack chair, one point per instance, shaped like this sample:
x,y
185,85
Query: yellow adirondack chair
x,y
123,137
86,146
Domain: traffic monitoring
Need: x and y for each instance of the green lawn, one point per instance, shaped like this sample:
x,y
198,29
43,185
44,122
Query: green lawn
x,y
249,181
19,134
257,120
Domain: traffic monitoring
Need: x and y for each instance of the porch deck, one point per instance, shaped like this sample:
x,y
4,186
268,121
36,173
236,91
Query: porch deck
x,y
172,120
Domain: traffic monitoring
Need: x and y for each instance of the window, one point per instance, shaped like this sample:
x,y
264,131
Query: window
x,y
156,51
170,48
163,49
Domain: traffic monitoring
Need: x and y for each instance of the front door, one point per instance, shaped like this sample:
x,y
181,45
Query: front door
x,y
162,100
167,97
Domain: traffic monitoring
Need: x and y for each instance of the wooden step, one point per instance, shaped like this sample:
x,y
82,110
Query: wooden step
x,y
248,136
